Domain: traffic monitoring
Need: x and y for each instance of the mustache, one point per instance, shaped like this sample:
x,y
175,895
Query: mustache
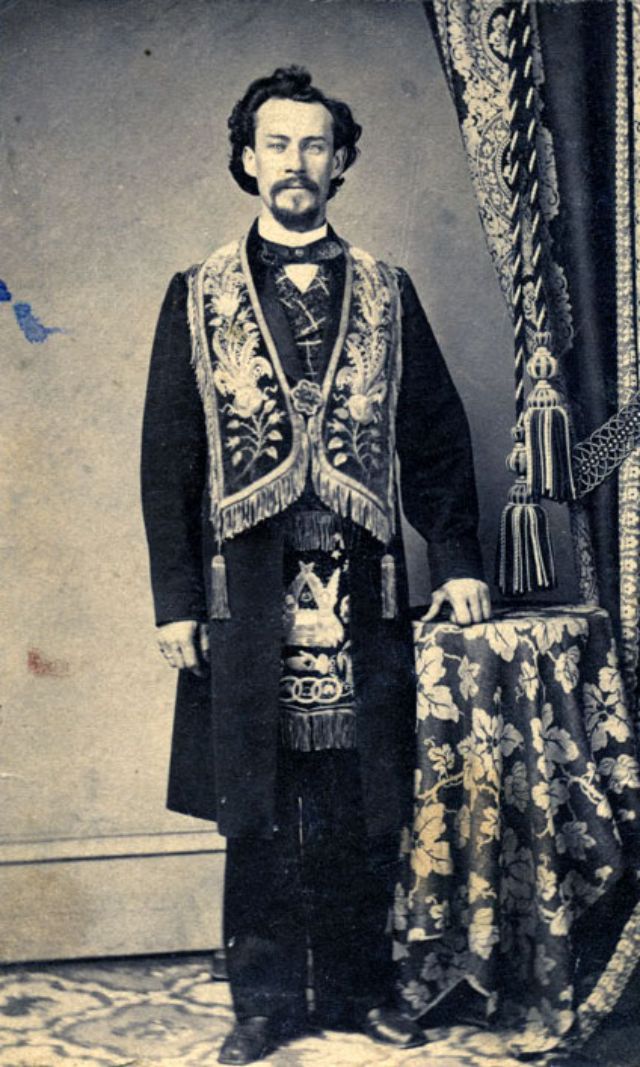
x,y
302,182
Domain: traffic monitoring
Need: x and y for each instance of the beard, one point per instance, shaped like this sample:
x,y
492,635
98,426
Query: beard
x,y
296,218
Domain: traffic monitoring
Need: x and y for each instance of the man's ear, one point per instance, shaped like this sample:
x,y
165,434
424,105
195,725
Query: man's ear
x,y
339,158
249,161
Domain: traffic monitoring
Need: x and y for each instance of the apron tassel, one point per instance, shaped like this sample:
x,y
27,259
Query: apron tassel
x,y
388,586
219,597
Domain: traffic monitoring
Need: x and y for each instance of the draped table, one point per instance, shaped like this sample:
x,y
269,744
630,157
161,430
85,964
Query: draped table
x,y
527,814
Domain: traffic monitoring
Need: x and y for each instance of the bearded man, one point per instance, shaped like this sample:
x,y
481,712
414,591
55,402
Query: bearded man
x,y
291,375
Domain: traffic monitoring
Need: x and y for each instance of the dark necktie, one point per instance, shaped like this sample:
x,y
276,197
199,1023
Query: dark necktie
x,y
317,252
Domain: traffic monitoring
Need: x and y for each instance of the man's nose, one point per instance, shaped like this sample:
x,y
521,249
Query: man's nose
x,y
294,159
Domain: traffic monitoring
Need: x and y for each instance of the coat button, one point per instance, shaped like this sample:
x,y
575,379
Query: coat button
x,y
223,800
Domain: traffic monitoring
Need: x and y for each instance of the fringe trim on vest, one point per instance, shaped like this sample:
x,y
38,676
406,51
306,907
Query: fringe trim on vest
x,y
317,730
260,503
312,530
351,504
265,502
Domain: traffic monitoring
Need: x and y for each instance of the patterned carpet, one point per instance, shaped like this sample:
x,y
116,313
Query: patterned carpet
x,y
166,1012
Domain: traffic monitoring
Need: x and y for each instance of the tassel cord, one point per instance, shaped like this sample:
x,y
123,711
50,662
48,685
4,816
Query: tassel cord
x,y
525,555
219,594
549,460
388,586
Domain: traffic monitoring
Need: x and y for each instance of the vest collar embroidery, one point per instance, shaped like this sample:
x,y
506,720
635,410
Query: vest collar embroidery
x,y
265,437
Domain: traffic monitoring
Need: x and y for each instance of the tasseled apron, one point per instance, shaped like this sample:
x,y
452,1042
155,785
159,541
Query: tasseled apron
x,y
317,708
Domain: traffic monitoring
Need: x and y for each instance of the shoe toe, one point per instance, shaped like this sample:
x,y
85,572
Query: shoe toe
x,y
390,1027
249,1041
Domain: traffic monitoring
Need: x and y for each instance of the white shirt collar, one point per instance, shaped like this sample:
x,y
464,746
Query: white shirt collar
x,y
272,230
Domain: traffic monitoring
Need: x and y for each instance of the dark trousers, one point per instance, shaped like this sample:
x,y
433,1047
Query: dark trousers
x,y
319,884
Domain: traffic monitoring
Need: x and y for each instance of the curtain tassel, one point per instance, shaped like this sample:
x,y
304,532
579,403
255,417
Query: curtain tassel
x,y
219,597
525,559
388,586
547,432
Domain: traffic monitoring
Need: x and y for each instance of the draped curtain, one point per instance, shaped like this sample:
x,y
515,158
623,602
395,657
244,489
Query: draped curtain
x,y
585,62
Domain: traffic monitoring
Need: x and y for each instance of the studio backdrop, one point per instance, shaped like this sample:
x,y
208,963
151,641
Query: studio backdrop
x,y
114,176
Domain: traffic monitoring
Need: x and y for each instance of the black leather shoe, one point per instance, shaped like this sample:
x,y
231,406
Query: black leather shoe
x,y
390,1027
250,1040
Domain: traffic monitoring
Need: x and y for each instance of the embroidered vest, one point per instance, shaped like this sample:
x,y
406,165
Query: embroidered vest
x,y
265,436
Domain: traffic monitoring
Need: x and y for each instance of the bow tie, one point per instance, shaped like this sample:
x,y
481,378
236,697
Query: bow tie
x,y
317,252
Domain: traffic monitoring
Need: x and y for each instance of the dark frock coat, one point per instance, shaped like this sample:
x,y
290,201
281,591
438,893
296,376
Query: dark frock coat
x,y
225,738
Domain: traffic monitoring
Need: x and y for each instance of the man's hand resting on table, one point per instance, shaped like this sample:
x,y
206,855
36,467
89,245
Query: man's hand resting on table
x,y
185,644
469,599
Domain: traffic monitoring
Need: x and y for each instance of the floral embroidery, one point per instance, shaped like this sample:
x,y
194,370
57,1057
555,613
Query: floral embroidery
x,y
602,704
483,932
473,49
358,419
242,375
527,801
432,853
622,772
468,672
263,435
516,787
307,397
436,699
566,669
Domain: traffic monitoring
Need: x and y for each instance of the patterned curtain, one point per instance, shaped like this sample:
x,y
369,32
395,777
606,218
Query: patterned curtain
x,y
573,247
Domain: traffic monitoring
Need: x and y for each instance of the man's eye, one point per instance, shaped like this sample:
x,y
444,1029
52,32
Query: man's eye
x,y
276,147
315,148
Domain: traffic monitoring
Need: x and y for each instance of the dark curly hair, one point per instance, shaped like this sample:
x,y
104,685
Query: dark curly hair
x,y
287,83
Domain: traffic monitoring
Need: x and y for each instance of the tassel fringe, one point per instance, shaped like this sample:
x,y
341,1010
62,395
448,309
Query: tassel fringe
x,y
219,597
262,504
525,563
312,530
317,730
388,586
548,445
351,504
547,429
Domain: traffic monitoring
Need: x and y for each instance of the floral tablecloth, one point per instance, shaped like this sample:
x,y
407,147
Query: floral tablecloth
x,y
527,814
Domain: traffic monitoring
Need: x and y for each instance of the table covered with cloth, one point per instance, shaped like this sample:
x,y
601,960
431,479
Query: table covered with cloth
x,y
527,821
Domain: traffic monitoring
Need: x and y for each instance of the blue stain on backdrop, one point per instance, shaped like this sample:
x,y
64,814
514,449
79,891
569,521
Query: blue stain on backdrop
x,y
34,330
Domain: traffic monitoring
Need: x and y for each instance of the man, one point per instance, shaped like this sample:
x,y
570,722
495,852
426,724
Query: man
x,y
288,372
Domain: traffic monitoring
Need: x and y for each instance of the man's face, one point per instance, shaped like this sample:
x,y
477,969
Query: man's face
x,y
293,161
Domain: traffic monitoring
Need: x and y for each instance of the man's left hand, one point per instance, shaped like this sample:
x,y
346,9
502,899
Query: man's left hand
x,y
469,599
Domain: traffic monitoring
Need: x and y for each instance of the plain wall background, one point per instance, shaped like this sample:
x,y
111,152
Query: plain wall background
x,y
114,175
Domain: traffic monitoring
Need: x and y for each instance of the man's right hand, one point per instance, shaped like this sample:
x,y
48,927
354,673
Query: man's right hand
x,y
182,642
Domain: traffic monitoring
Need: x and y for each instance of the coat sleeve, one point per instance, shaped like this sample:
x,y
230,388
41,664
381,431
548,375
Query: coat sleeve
x,y
173,466
434,448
